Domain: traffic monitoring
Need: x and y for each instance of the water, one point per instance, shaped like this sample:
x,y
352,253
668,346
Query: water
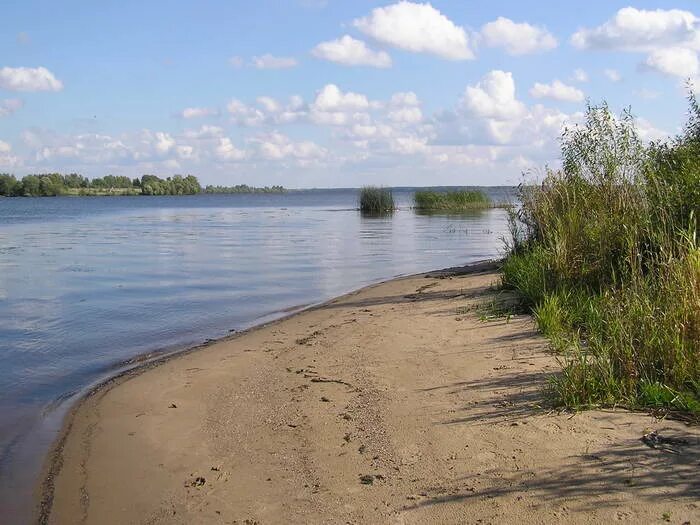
x,y
88,283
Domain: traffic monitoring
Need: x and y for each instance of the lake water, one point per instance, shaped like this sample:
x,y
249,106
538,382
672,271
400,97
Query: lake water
x,y
88,283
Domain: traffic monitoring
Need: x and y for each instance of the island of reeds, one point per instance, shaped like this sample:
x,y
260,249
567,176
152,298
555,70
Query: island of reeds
x,y
53,184
451,201
605,253
375,200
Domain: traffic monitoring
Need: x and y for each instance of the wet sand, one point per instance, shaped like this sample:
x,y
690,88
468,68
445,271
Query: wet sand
x,y
394,404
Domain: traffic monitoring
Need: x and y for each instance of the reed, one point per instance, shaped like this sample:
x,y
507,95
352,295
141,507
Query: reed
x,y
451,200
375,200
605,254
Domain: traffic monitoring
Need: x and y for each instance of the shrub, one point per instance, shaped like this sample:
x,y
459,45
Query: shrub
x,y
605,254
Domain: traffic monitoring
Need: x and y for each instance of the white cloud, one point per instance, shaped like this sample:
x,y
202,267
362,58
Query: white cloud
x,y
204,133
517,38
493,97
351,52
409,115
9,106
408,98
418,28
268,61
7,159
648,132
164,142
580,75
29,79
331,98
674,61
634,29
557,90
336,108
276,146
226,151
197,112
270,111
235,61
245,115
613,75
647,94
269,104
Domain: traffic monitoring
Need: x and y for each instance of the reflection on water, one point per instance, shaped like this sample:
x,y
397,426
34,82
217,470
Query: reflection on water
x,y
87,283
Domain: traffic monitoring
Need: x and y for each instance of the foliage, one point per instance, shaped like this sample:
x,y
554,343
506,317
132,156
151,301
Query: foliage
x,y
51,184
244,188
451,201
605,254
374,200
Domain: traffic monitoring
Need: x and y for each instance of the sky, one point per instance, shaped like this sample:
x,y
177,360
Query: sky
x,y
330,93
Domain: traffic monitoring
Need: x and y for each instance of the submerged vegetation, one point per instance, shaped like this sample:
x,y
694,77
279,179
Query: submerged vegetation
x,y
451,200
52,184
605,254
374,200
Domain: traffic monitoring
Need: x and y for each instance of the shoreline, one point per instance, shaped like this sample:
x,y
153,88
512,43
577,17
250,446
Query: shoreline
x,y
55,463
141,363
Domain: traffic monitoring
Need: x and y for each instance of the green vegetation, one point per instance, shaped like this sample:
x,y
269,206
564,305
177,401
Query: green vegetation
x,y
375,200
244,188
606,255
451,200
51,184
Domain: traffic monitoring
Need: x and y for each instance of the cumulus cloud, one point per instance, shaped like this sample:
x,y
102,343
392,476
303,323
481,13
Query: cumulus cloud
x,y
29,79
493,97
331,98
276,146
580,75
351,52
517,38
226,151
197,112
236,61
418,28
613,75
7,159
9,106
268,111
164,142
268,61
674,61
633,29
557,90
204,133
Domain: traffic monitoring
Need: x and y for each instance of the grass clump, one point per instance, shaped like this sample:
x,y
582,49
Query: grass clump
x,y
374,200
451,200
605,254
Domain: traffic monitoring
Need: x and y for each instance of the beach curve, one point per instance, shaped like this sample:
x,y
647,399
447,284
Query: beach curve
x,y
396,403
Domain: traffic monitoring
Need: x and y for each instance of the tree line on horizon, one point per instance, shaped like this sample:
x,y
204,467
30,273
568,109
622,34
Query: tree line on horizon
x,y
54,184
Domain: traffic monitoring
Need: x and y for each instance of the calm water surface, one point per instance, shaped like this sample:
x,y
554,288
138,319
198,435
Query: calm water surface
x,y
88,283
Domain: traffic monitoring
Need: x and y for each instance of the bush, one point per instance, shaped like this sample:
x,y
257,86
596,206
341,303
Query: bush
x,y
605,254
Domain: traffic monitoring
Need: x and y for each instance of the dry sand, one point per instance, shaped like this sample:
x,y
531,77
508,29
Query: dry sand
x,y
394,404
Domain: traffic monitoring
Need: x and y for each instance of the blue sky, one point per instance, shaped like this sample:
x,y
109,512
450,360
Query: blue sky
x,y
329,93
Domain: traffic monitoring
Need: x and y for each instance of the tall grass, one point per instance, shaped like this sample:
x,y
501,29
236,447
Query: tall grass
x,y
374,200
451,200
605,253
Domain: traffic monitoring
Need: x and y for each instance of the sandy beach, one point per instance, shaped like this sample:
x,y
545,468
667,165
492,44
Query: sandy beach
x,y
398,403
